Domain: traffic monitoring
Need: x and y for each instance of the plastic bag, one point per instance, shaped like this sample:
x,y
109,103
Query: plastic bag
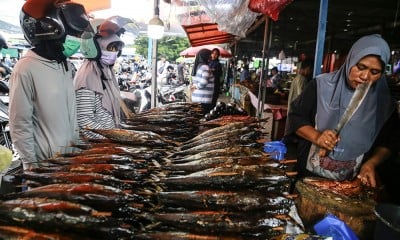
x,y
5,158
334,227
270,7
232,16
277,149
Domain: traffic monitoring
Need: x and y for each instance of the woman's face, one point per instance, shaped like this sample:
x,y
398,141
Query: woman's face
x,y
367,69
214,55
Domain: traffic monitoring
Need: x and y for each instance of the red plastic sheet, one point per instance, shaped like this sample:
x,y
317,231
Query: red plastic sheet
x,y
272,8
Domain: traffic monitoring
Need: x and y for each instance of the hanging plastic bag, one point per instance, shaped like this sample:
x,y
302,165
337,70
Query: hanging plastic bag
x,y
232,16
272,8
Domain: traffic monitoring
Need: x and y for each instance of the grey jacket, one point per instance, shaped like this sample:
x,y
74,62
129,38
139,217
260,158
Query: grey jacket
x,y
42,108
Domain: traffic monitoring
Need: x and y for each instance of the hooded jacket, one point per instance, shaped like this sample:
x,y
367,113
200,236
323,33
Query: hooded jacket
x,y
42,107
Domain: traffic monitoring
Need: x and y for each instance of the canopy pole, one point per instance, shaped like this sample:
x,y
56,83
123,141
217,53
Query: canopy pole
x,y
319,47
261,88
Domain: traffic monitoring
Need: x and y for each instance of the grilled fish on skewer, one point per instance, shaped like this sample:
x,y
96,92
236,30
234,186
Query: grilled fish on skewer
x,y
133,137
60,215
15,232
228,178
217,130
243,134
222,161
227,200
97,159
124,172
71,177
221,144
230,151
135,152
97,196
182,236
216,222
223,120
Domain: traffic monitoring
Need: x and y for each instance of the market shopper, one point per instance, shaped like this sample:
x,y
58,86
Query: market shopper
x,y
203,80
303,76
42,98
216,69
4,69
364,142
97,89
275,79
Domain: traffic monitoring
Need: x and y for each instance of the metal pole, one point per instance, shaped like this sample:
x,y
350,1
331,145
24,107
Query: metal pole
x,y
154,73
149,51
261,88
319,48
154,48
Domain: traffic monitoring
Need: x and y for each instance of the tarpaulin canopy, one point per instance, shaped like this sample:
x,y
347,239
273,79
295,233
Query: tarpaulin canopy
x,y
192,51
94,5
206,33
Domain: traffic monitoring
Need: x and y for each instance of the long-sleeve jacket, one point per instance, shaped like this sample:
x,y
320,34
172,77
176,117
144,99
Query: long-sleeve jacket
x,y
42,108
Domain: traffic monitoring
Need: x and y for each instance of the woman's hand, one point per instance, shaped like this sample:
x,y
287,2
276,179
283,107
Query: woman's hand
x,y
367,174
327,140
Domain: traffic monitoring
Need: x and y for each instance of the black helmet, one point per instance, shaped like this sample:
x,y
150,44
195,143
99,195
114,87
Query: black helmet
x,y
52,22
3,42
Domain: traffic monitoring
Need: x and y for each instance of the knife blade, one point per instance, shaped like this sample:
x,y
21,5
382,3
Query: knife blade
x,y
355,102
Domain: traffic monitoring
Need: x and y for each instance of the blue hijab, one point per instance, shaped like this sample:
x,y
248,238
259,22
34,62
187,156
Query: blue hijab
x,y
334,94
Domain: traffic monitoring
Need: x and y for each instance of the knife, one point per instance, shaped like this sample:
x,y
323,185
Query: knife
x,y
355,102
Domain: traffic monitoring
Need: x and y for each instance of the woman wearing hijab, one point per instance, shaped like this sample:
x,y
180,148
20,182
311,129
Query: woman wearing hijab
x,y
203,81
97,90
216,69
362,143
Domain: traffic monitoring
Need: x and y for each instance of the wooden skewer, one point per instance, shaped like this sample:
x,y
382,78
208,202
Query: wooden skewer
x,y
291,174
289,161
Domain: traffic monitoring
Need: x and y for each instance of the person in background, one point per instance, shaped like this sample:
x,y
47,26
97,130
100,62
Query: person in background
x,y
4,69
97,89
303,76
245,74
162,67
216,69
229,77
180,70
275,78
365,141
203,81
42,97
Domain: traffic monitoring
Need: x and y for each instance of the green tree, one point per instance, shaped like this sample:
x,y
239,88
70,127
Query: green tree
x,y
168,46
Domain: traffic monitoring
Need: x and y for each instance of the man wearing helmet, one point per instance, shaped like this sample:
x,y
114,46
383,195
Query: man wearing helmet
x,y
42,97
97,89
3,69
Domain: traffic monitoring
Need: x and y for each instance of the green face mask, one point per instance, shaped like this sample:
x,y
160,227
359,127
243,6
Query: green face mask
x,y
71,45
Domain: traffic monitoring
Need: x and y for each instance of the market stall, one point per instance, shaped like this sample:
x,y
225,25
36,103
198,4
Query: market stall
x,y
169,172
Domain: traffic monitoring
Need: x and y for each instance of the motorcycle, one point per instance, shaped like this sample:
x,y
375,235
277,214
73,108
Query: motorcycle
x,y
172,93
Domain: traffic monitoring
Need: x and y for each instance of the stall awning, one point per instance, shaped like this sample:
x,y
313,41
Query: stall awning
x,y
206,33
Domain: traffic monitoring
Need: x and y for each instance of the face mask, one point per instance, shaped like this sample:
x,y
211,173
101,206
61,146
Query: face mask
x,y
108,57
71,45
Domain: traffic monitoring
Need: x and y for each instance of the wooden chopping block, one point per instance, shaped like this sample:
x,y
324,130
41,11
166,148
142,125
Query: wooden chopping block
x,y
313,203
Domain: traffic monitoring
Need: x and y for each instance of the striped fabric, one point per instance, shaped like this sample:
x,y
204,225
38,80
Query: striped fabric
x,y
91,114
204,82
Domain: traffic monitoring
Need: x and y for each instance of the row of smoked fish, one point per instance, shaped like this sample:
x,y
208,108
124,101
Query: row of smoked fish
x,y
167,175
